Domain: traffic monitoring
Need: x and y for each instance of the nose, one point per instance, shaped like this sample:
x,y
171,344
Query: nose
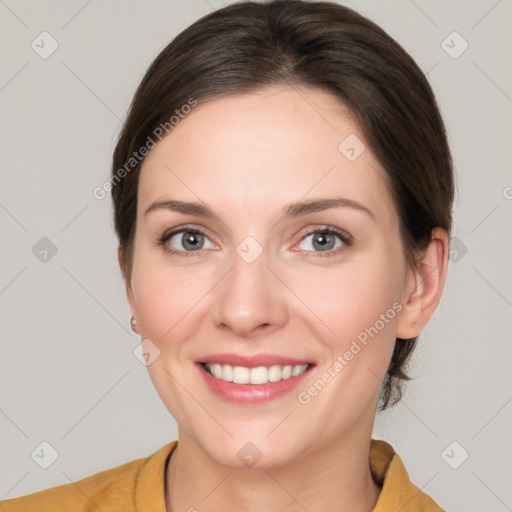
x,y
249,299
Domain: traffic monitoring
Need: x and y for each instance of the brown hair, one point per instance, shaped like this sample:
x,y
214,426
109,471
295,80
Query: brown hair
x,y
249,45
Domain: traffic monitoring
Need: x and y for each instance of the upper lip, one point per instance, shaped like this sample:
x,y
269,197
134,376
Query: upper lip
x,y
252,361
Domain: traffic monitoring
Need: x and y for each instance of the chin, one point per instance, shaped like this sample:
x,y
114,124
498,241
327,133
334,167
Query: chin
x,y
246,452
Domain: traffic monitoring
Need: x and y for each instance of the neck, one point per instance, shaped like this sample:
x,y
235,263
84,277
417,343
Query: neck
x,y
335,477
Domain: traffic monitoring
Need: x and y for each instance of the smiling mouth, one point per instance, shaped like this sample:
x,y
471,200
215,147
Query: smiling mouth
x,y
257,375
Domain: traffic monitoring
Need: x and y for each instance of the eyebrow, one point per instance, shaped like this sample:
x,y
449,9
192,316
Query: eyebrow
x,y
296,209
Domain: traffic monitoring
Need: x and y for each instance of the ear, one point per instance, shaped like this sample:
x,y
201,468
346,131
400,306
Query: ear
x,y
424,286
128,288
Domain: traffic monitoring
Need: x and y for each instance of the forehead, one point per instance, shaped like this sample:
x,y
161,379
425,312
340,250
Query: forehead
x,y
265,148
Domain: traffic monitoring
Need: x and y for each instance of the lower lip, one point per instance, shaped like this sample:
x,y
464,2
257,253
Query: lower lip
x,y
251,393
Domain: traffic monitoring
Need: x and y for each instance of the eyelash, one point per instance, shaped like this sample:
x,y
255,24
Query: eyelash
x,y
343,235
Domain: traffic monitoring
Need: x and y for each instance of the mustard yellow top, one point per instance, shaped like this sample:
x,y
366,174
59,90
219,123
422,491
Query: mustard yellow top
x,y
139,486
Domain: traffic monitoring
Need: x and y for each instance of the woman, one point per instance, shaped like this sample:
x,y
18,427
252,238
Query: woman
x,y
282,194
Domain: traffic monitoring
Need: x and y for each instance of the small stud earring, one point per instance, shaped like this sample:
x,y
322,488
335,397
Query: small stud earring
x,y
133,321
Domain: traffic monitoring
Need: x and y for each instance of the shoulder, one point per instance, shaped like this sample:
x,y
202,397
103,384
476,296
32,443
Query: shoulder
x,y
117,481
398,492
114,489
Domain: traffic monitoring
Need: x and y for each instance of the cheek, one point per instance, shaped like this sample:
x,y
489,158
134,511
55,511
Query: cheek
x,y
165,303
168,304
167,296
357,302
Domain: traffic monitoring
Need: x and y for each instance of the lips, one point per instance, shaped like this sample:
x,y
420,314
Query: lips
x,y
252,361
249,393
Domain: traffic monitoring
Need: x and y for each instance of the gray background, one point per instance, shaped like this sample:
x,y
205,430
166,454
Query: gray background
x,y
68,373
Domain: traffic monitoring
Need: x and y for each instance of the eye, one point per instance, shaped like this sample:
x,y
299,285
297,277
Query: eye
x,y
324,240
184,241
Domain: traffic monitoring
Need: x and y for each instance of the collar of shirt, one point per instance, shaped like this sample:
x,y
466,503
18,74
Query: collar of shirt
x,y
398,493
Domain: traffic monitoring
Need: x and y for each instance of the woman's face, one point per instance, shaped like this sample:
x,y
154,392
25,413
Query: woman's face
x,y
264,278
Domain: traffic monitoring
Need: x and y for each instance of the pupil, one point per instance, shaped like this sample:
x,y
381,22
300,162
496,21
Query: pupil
x,y
191,239
323,239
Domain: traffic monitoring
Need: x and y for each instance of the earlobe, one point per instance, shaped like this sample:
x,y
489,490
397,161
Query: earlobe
x,y
134,324
424,287
128,290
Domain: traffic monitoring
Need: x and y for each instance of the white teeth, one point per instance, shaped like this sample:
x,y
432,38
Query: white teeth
x,y
287,371
258,375
275,373
297,370
216,370
227,373
240,375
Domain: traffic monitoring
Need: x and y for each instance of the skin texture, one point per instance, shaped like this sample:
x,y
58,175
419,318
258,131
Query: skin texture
x,y
247,156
